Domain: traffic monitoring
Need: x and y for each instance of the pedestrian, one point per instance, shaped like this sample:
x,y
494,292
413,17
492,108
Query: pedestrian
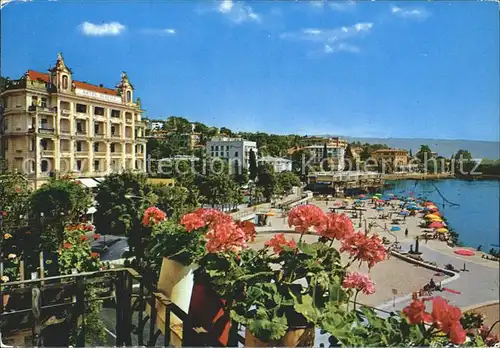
x,y
406,232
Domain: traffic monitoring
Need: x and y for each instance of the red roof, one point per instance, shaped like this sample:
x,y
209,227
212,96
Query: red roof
x,y
35,75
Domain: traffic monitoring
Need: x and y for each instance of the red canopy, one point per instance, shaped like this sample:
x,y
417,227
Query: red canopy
x,y
436,224
428,203
464,252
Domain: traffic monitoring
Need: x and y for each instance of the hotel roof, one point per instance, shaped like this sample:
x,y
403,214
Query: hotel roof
x,y
35,75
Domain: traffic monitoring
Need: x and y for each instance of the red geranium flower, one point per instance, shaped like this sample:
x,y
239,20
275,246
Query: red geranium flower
x,y
84,238
225,237
94,255
192,221
3,213
305,216
153,216
337,226
359,282
447,318
249,229
97,236
416,314
279,241
67,245
364,248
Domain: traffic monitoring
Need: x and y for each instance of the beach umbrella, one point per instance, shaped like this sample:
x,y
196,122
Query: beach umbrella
x,y
390,194
441,230
338,204
395,228
403,213
431,216
379,208
435,210
436,219
377,194
418,208
412,208
464,252
362,195
395,198
380,201
428,203
436,224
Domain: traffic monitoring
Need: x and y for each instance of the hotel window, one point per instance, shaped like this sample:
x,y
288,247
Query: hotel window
x,y
34,100
32,166
236,154
96,128
78,165
78,146
212,148
44,103
79,127
32,145
65,82
129,96
82,108
217,148
96,147
43,143
96,165
44,166
99,111
112,147
113,130
115,113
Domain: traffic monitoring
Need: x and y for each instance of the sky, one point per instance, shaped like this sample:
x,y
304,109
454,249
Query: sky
x,y
368,69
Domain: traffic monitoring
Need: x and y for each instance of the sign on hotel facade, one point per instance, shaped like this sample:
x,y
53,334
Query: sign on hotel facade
x,y
100,96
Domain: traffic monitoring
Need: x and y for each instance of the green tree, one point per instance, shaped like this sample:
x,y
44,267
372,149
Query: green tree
x,y
286,181
176,200
463,155
425,153
14,202
227,131
56,203
252,165
300,160
266,179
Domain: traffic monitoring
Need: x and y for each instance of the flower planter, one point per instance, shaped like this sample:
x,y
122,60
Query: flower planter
x,y
176,282
207,311
299,337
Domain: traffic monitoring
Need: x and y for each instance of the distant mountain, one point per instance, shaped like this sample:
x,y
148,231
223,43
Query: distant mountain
x,y
444,147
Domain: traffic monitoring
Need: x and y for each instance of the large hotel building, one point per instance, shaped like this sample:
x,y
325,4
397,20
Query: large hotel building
x,y
53,125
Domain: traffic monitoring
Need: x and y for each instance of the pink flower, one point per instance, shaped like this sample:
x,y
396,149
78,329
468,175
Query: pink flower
x,y
279,241
337,226
192,221
359,282
202,217
364,248
305,216
226,237
153,216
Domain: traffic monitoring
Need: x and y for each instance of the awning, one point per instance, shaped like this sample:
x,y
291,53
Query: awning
x,y
90,183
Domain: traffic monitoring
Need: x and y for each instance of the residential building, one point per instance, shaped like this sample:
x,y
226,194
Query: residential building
x,y
235,150
315,140
334,155
398,158
279,164
54,124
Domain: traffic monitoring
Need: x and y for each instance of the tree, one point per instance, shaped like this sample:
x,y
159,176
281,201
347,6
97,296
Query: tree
x,y
14,193
252,165
176,200
424,154
266,179
226,131
300,160
410,155
121,199
325,151
286,181
463,155
56,203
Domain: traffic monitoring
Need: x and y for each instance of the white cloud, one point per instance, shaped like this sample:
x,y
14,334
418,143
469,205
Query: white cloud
x,y
4,3
238,12
104,29
410,13
317,3
342,6
332,40
160,32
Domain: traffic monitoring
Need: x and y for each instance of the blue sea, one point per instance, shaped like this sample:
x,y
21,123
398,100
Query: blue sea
x,y
476,218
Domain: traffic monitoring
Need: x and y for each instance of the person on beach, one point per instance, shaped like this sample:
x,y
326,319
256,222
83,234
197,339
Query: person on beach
x,y
406,232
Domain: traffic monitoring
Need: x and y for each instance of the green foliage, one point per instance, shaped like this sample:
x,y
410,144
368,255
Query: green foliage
x,y
463,155
171,240
472,320
266,179
57,203
14,202
121,199
252,165
175,200
286,181
300,160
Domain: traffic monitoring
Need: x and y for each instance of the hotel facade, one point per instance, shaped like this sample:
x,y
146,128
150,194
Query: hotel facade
x,y
55,125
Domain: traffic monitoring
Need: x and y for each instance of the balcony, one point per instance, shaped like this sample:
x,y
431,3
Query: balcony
x,y
116,154
129,120
42,109
116,120
81,115
65,132
99,153
47,153
65,113
115,135
99,135
134,317
65,152
45,130
83,153
99,117
81,134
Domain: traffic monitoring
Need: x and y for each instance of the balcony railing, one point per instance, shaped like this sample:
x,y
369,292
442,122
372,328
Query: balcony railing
x,y
65,112
65,132
82,115
45,130
99,135
47,153
45,312
81,133
82,153
44,109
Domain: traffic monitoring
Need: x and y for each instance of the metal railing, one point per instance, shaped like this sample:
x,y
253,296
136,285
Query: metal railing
x,y
45,311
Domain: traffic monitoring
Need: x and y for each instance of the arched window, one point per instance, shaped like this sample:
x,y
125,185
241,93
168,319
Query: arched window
x,y
129,96
65,82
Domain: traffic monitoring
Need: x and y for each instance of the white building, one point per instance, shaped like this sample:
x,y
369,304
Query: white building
x,y
235,150
335,155
279,164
